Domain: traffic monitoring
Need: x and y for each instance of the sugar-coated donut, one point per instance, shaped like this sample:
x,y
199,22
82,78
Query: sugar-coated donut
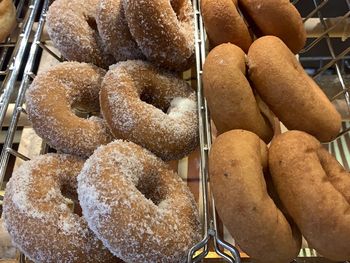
x,y
50,99
150,107
224,24
315,190
237,163
39,219
230,98
138,207
289,92
7,18
164,31
278,18
114,31
72,27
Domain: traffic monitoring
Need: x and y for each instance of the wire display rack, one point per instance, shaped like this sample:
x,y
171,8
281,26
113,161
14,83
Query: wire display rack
x,y
226,251
35,13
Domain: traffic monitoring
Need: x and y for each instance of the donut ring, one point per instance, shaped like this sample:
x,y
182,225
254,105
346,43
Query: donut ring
x,y
224,24
279,18
152,108
114,31
164,31
138,207
289,92
49,102
38,218
247,208
72,28
7,18
319,205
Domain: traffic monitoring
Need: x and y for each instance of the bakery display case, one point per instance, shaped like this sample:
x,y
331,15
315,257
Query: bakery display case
x,y
29,51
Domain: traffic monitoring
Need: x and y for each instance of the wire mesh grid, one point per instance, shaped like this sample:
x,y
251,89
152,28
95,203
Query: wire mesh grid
x,y
210,226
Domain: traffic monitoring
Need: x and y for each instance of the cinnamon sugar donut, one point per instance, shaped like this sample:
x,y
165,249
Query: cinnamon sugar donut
x,y
114,30
152,108
49,101
7,18
137,205
39,219
72,27
164,31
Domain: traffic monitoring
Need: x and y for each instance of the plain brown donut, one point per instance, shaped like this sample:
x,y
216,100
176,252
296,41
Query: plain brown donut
x,y
224,24
38,216
139,208
7,18
230,98
278,18
163,30
289,92
315,189
237,163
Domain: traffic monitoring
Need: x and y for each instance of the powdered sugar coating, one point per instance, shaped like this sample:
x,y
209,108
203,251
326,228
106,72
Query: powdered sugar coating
x,y
71,25
150,214
114,31
38,218
49,102
170,128
164,31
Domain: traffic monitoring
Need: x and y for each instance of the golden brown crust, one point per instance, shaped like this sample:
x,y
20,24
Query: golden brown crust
x,y
224,24
236,162
151,107
7,18
278,18
315,189
230,98
289,92
38,217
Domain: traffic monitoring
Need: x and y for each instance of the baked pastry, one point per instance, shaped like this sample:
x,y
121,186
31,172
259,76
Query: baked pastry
x,y
114,31
278,18
72,28
315,190
138,207
50,100
230,98
39,219
151,107
7,18
289,92
238,160
163,30
224,24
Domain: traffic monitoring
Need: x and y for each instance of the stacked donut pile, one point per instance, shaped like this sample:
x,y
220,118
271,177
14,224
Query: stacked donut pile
x,y
103,32
128,204
266,196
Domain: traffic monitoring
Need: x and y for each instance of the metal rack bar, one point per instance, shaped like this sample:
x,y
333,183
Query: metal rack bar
x,y
11,78
7,148
209,220
210,225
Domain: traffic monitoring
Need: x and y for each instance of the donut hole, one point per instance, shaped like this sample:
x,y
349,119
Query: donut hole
x,y
92,23
177,7
151,187
148,97
71,197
